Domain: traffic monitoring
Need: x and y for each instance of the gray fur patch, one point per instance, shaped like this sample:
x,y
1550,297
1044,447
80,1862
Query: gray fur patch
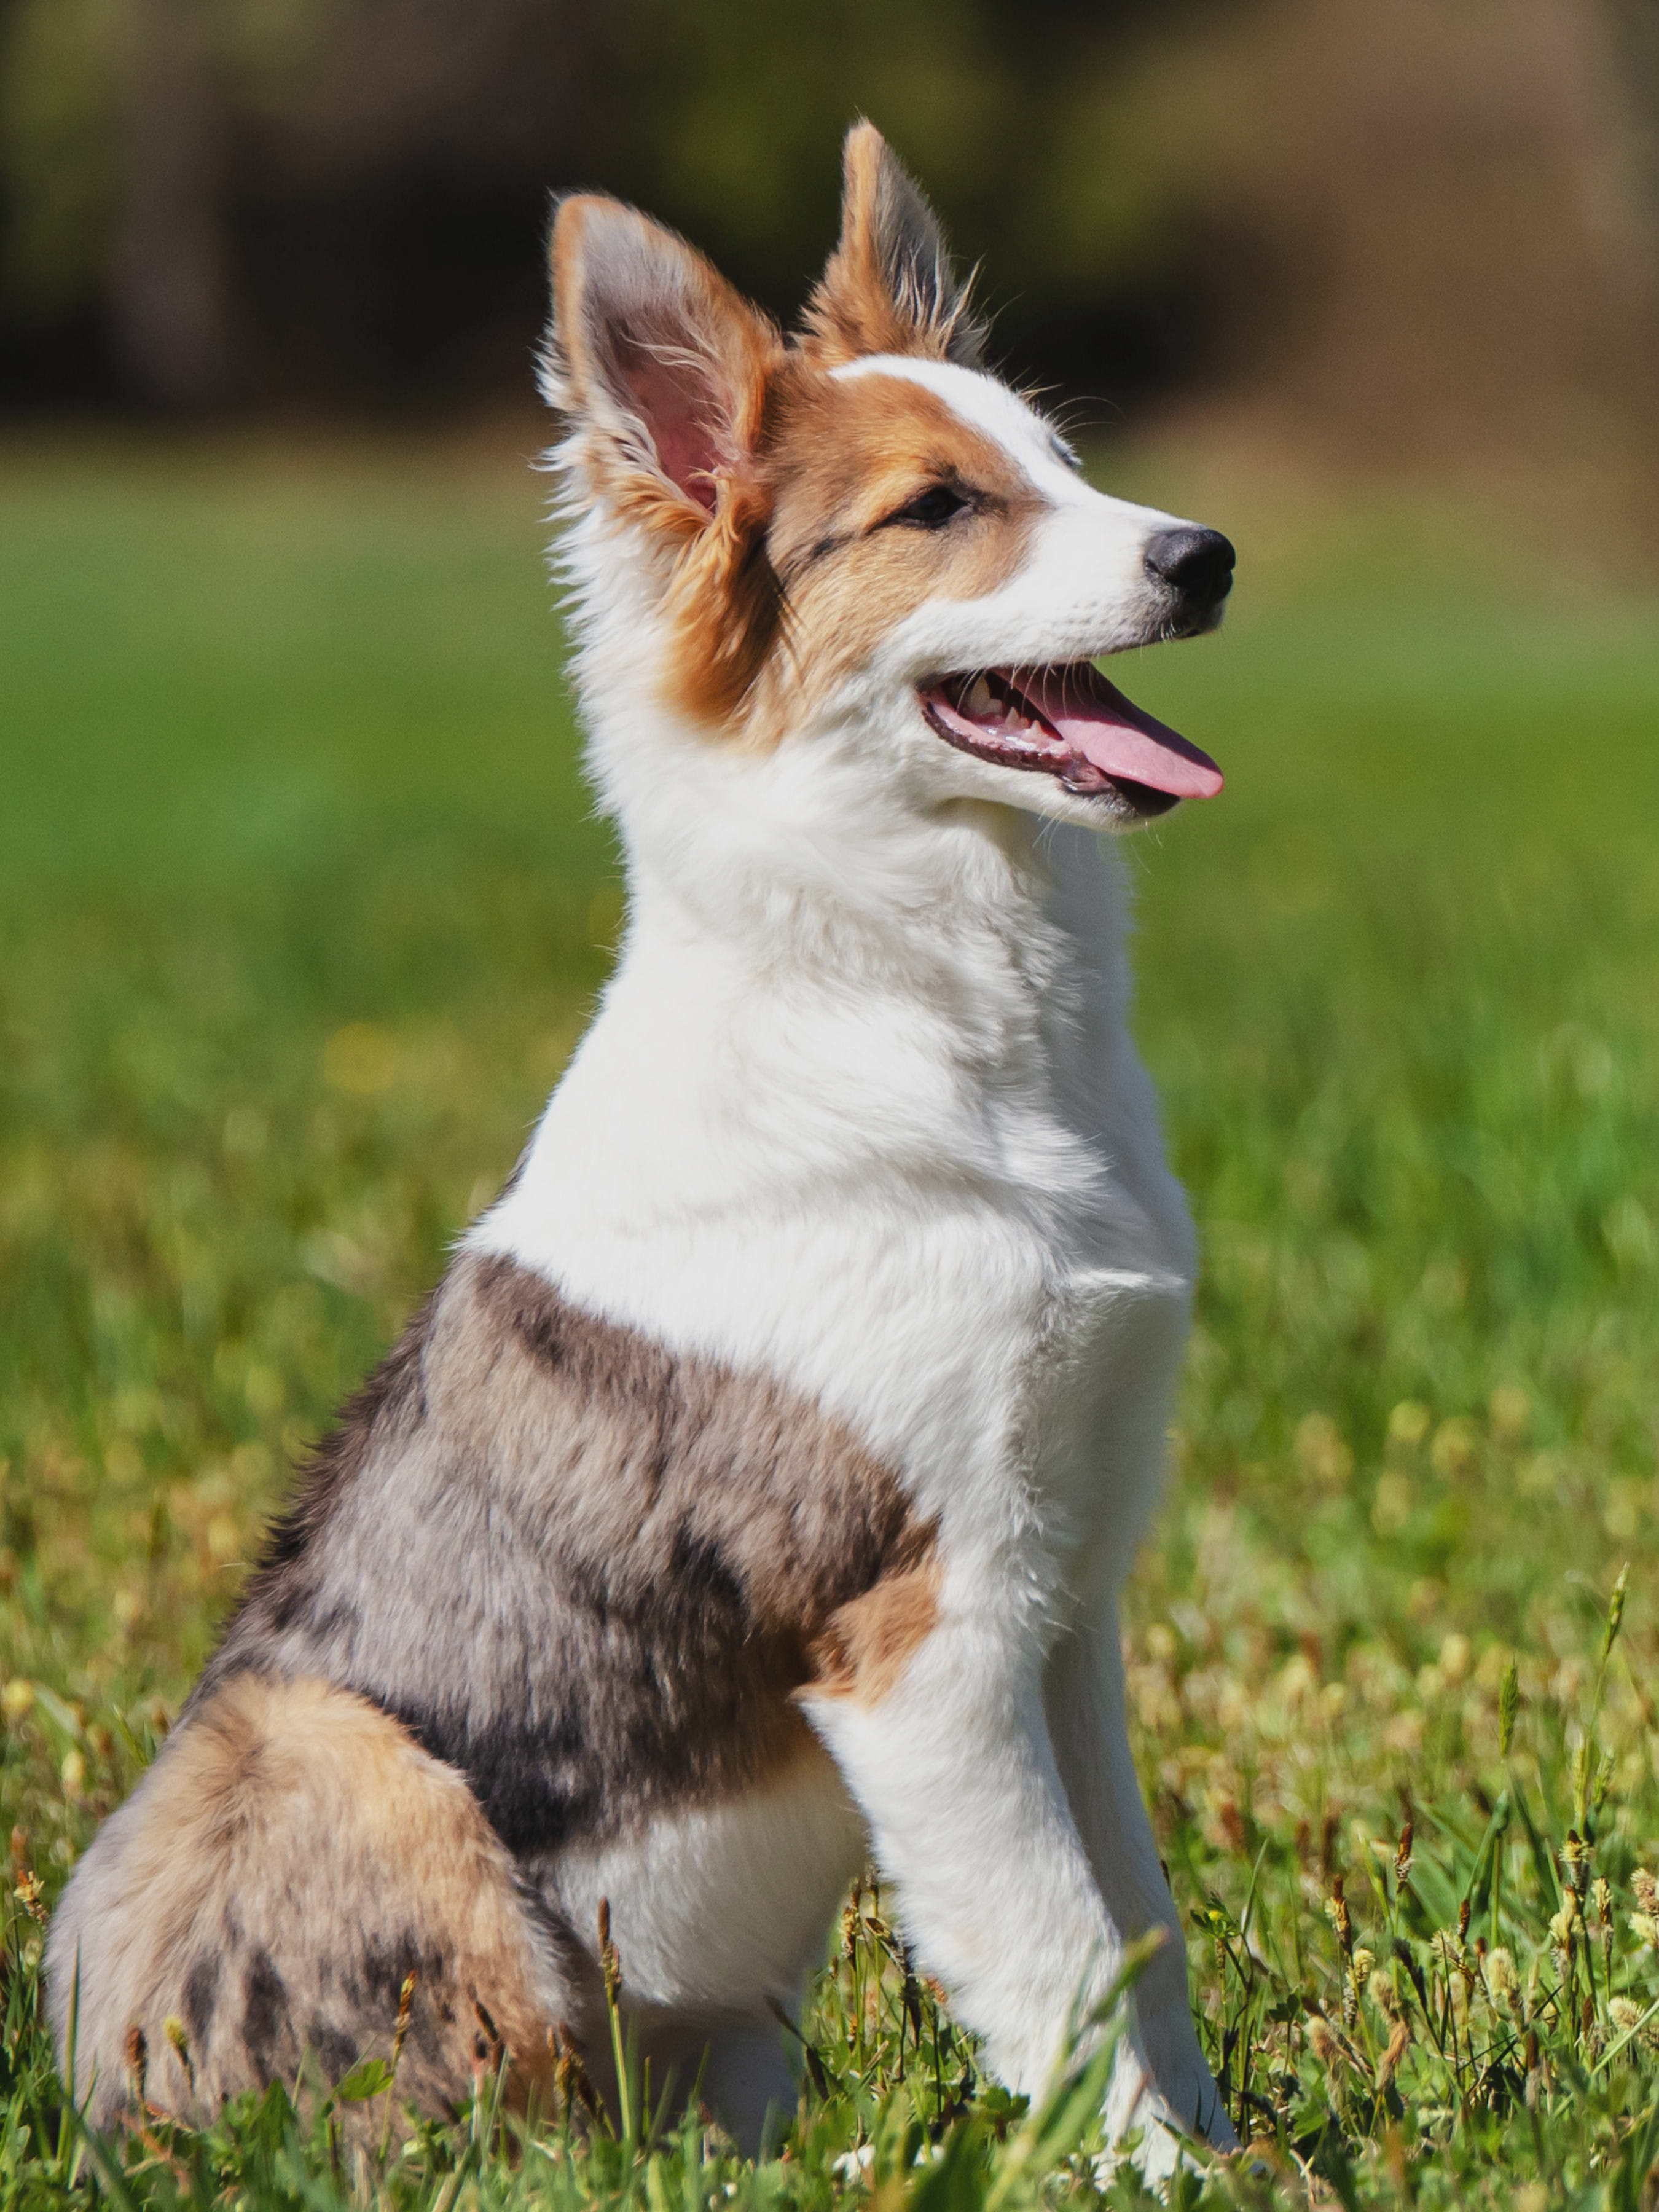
x,y
585,1571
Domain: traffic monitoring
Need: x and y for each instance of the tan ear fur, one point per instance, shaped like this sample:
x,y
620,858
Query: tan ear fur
x,y
666,369
889,286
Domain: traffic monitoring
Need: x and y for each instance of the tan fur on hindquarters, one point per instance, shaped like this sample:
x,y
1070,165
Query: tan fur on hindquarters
x,y
291,1857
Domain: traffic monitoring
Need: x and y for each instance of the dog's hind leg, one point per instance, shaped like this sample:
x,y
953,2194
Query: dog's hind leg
x,y
290,1860
748,2081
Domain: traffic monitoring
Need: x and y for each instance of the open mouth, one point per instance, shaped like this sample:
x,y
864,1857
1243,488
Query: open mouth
x,y
1070,723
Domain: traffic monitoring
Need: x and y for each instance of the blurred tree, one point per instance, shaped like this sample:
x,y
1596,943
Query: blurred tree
x,y
169,273
284,195
57,104
1637,24
1460,253
1403,219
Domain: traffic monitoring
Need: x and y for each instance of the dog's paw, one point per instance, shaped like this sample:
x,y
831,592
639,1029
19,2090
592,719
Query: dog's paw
x,y
1156,2131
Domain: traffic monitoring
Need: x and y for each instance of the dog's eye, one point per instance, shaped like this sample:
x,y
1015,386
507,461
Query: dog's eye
x,y
930,509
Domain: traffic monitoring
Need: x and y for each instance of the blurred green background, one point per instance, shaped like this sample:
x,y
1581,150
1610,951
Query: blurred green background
x,y
303,906
302,902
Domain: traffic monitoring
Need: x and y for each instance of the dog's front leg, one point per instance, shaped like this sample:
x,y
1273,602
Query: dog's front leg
x,y
1084,1695
953,1767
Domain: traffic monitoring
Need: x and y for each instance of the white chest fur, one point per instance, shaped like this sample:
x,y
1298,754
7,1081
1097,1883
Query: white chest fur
x,y
937,1205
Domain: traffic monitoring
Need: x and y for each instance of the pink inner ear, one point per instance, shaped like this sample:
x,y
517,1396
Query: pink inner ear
x,y
675,405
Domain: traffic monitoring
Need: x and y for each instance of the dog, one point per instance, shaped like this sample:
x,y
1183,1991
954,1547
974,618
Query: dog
x,y
754,1491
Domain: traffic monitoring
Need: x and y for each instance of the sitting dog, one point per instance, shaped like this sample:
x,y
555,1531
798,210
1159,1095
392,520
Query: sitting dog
x,y
755,1491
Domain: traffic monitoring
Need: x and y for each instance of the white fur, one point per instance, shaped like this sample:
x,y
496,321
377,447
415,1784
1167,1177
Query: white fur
x,y
718,1904
860,1110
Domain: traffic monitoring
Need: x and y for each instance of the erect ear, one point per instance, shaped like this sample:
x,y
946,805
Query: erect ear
x,y
651,349
890,286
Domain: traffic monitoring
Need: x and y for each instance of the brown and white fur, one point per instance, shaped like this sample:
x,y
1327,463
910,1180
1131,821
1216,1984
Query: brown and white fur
x,y
755,1490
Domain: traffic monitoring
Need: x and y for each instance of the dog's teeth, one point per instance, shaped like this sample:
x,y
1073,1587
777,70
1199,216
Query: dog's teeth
x,y
978,700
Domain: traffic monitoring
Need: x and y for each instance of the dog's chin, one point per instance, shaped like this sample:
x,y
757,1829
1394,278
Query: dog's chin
x,y
1066,742
1112,811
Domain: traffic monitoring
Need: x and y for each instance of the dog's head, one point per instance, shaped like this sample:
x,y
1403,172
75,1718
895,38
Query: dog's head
x,y
856,545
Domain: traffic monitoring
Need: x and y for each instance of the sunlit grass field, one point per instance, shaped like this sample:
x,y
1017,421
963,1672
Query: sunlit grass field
x,y
302,907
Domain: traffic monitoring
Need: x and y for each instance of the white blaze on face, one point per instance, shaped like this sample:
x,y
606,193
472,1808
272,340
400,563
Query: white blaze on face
x,y
1083,588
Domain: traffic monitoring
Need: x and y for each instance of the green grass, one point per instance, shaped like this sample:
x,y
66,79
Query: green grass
x,y
302,909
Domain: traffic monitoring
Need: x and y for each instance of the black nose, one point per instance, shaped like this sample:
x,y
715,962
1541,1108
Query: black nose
x,y
1198,564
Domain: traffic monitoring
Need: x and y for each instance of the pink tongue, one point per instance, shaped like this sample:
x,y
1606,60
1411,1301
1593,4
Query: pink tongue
x,y
1121,739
